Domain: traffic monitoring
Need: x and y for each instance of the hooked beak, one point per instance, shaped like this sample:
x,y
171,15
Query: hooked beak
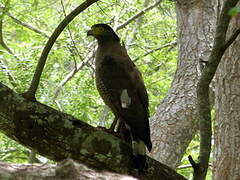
x,y
89,33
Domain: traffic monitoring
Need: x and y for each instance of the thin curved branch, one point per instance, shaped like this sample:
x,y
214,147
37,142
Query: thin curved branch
x,y
5,151
231,39
157,49
73,72
3,63
137,24
28,26
142,12
71,37
30,94
3,11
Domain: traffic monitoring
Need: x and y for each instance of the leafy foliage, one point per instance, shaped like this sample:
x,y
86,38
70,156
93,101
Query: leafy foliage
x,y
234,11
12,151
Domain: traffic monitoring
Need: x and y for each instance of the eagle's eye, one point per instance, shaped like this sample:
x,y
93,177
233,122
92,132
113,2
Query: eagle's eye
x,y
99,30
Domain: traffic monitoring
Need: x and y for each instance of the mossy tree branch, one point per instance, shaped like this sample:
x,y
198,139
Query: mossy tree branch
x,y
203,105
58,136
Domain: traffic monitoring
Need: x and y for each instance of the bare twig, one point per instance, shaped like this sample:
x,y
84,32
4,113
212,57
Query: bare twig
x,y
58,104
30,94
71,37
3,63
138,15
28,26
67,78
194,165
8,150
137,23
157,49
184,166
4,66
2,42
231,39
73,72
190,166
32,157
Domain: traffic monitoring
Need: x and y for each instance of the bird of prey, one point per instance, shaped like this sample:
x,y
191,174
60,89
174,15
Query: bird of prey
x,y
121,87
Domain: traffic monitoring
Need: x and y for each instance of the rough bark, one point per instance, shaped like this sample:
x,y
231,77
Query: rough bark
x,y
59,136
227,125
175,123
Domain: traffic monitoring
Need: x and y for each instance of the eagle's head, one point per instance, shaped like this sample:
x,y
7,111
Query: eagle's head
x,y
103,32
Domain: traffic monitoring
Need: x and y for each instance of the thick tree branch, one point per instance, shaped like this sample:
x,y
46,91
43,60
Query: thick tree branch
x,y
30,94
203,105
59,136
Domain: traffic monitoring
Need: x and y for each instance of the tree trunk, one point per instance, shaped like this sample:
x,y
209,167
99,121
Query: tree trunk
x,y
175,123
227,127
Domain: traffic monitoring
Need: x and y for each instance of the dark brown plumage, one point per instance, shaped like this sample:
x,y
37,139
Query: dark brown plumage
x,y
121,86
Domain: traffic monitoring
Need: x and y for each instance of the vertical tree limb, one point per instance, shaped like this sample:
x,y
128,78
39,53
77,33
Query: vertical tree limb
x,y
30,94
203,105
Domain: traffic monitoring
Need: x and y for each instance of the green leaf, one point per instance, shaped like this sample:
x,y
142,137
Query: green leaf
x,y
234,11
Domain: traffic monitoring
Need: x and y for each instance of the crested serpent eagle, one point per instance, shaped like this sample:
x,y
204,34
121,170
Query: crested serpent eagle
x,y
121,87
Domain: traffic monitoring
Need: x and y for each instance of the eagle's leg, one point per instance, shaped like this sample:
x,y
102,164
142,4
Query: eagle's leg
x,y
113,125
125,103
124,132
121,130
